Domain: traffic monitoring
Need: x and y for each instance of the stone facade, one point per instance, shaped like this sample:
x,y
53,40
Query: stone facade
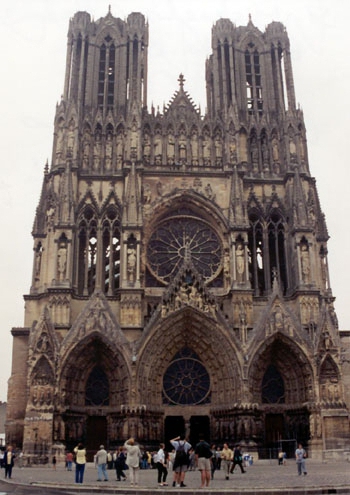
x,y
180,278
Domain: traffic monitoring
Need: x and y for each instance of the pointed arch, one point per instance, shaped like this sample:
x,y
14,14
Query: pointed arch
x,y
330,388
94,359
290,365
191,329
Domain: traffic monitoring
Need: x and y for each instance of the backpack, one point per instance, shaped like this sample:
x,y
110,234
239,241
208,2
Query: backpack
x,y
181,456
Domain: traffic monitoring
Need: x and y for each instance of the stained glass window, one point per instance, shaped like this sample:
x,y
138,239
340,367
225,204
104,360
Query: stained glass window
x,y
186,381
180,238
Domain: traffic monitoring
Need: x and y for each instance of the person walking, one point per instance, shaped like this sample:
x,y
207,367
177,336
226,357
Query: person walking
x,y
9,460
203,455
80,462
54,462
226,460
182,448
161,465
101,463
300,456
237,459
133,457
120,464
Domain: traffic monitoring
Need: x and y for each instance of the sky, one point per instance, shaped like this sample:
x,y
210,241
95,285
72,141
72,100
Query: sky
x,y
33,37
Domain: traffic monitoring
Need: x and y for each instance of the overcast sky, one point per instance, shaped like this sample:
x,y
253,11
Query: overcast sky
x,y
33,38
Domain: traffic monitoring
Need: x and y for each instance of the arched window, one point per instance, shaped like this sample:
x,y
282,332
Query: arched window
x,y
98,254
97,388
253,80
111,251
267,254
277,254
87,251
106,74
272,389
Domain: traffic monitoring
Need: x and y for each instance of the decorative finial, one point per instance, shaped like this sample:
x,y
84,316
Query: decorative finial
x,y
181,81
250,19
109,9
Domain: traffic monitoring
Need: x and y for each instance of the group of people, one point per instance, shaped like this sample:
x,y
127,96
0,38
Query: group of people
x,y
128,455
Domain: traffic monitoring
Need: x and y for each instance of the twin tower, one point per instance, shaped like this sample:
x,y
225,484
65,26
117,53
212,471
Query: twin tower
x,y
180,278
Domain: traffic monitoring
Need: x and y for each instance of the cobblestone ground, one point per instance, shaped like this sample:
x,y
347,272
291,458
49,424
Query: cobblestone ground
x,y
263,477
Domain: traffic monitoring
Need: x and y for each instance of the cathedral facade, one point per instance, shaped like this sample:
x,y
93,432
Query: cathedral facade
x,y
180,279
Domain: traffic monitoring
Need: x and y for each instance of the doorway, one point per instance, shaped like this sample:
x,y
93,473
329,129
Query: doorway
x,y
173,426
96,434
199,425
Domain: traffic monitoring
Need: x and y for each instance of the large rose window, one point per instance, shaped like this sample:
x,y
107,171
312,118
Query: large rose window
x,y
181,238
186,381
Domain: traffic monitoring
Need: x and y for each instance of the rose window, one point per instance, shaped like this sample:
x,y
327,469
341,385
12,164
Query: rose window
x,y
186,381
181,238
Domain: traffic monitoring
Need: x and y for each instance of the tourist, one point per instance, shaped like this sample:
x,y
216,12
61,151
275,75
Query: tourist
x,y
161,465
80,462
203,455
69,461
226,459
9,458
133,457
300,456
101,463
214,460
237,459
119,463
182,448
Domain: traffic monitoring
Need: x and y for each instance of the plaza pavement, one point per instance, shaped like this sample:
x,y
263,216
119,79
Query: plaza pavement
x,y
261,478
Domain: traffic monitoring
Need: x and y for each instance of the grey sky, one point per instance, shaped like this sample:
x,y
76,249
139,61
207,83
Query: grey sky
x,y
33,36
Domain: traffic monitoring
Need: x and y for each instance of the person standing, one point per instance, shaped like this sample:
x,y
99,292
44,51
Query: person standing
x,y
226,459
9,458
54,462
69,461
203,455
161,465
120,464
80,462
237,459
300,456
133,460
182,448
101,463
214,461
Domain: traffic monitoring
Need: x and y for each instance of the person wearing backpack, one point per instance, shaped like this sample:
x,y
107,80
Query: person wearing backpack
x,y
181,462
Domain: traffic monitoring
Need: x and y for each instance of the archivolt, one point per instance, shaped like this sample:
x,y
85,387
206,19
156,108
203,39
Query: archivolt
x,y
291,363
212,344
82,359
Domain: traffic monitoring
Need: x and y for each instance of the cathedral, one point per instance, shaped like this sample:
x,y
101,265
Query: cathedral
x,y
180,278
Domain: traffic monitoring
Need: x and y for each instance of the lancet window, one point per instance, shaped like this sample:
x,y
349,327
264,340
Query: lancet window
x,y
106,75
98,255
253,80
267,253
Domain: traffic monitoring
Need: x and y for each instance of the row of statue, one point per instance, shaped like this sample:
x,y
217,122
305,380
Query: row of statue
x,y
106,150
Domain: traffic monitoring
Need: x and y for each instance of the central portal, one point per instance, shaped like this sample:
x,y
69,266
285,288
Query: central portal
x,y
176,425
96,430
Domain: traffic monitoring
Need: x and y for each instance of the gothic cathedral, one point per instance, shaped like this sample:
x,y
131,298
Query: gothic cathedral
x,y
180,279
